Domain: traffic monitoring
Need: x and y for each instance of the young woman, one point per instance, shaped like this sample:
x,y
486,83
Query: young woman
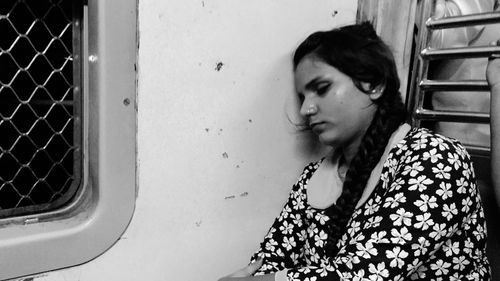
x,y
389,202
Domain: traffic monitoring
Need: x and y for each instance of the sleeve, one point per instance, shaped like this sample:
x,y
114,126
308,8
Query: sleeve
x,y
282,247
427,200
460,37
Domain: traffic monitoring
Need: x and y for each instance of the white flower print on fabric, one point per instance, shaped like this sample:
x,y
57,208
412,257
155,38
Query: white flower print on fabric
x,y
397,257
451,248
449,211
393,202
320,239
400,236
439,143
379,237
444,190
373,222
378,272
423,221
322,218
438,231
454,160
371,207
432,155
419,144
426,202
286,228
401,217
463,185
414,169
442,171
366,251
441,267
421,247
420,183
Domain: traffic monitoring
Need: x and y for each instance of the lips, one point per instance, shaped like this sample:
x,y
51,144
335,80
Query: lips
x,y
316,125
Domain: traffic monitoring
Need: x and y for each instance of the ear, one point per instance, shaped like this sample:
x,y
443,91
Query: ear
x,y
376,92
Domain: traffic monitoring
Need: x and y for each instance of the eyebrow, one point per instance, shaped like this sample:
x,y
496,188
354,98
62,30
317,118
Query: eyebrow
x,y
311,84
315,81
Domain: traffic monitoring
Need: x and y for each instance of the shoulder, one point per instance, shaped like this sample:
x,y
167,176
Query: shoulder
x,y
429,166
423,154
427,145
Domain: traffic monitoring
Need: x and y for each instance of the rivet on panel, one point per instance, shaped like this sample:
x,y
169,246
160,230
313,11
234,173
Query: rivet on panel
x,y
92,58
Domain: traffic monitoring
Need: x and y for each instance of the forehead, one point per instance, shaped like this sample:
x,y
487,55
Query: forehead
x,y
311,68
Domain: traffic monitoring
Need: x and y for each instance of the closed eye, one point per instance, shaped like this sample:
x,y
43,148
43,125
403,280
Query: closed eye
x,y
322,88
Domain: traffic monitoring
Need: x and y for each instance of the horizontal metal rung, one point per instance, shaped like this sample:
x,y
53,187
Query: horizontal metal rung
x,y
461,21
447,85
459,53
452,116
478,150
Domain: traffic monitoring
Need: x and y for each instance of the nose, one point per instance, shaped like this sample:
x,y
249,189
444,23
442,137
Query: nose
x,y
308,108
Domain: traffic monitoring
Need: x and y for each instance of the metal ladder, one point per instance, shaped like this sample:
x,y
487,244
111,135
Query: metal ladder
x,y
420,84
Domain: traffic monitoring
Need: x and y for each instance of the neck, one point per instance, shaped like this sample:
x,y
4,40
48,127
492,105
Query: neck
x,y
348,152
342,168
350,149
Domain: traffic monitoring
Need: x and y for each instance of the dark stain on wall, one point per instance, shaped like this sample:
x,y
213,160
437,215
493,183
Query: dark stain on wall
x,y
218,66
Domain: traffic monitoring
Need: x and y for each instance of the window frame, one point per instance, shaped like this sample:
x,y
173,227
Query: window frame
x,y
101,213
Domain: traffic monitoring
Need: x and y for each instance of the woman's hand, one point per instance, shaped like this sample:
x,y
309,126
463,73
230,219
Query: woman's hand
x,y
246,271
493,69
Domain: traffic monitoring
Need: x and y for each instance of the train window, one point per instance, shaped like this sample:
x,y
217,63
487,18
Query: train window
x,y
40,105
68,131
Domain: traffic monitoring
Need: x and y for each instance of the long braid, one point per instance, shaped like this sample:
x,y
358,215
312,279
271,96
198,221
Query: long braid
x,y
387,119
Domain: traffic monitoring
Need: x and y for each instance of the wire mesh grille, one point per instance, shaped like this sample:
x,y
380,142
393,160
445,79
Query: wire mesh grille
x,y
40,105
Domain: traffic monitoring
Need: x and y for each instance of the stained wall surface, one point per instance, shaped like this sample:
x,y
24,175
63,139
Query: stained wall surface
x,y
217,154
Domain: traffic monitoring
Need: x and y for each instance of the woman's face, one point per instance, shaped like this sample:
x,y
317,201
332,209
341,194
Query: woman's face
x,y
335,109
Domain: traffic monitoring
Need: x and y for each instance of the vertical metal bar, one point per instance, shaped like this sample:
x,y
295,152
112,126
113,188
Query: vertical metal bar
x,y
77,93
415,97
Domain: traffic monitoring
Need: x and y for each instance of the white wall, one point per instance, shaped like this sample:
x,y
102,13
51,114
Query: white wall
x,y
216,154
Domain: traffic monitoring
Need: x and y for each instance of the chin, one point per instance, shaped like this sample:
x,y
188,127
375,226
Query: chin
x,y
328,140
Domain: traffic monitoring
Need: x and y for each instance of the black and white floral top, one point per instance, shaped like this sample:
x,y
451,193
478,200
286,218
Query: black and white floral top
x,y
423,221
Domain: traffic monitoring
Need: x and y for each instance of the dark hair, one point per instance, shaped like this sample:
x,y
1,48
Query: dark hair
x,y
358,52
